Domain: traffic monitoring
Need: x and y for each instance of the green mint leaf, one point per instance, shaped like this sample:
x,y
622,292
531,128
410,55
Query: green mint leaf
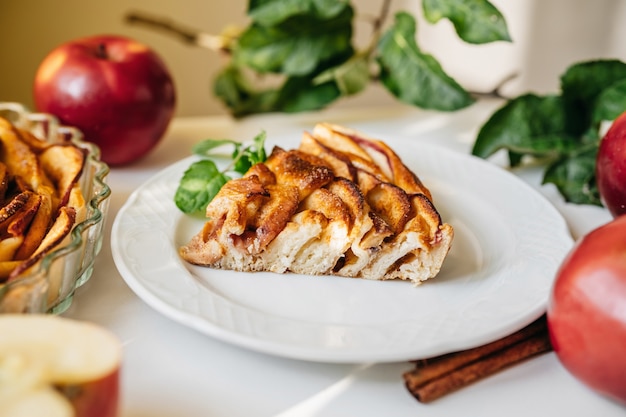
x,y
574,177
199,184
273,12
475,21
528,124
250,155
297,46
203,180
413,76
257,150
350,77
242,164
205,147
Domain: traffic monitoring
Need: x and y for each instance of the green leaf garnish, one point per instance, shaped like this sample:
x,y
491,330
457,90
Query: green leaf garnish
x,y
205,147
203,179
199,184
245,157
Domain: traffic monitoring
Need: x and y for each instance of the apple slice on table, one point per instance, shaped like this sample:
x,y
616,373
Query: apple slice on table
x,y
54,366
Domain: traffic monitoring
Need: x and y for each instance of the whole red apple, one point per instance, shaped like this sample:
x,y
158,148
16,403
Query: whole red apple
x,y
117,91
611,167
587,310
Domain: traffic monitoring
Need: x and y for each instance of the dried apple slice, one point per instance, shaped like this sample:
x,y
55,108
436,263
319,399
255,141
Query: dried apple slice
x,y
77,202
4,181
37,229
9,246
33,142
60,229
14,206
6,267
20,159
64,165
20,222
54,366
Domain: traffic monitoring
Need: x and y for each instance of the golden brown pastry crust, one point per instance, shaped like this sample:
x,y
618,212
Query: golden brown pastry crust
x,y
342,204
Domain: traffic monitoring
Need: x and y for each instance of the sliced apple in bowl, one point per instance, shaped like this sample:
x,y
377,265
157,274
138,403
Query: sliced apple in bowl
x,y
55,366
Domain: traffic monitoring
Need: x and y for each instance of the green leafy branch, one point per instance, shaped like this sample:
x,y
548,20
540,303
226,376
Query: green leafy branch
x,y
299,55
563,130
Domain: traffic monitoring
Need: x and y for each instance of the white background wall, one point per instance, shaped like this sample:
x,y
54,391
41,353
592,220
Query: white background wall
x,y
548,36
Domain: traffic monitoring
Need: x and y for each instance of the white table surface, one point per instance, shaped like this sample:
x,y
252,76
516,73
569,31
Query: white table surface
x,y
170,370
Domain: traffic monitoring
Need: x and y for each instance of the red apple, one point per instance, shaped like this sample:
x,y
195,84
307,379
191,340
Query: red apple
x,y
54,366
587,310
611,167
117,91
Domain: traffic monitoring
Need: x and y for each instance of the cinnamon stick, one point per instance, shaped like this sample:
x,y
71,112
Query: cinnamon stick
x,y
435,377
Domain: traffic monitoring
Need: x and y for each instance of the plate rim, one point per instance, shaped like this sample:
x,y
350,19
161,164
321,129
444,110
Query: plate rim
x,y
200,324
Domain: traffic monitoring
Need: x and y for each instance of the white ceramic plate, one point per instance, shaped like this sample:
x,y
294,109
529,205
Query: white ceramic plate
x,y
509,241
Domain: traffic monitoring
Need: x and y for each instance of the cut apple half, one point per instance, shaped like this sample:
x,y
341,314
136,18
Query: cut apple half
x,y
55,366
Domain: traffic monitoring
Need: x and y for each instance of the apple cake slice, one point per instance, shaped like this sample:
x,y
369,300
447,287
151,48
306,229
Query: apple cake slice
x,y
341,204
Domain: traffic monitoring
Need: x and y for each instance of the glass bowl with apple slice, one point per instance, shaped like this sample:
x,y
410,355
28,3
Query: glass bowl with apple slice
x,y
53,201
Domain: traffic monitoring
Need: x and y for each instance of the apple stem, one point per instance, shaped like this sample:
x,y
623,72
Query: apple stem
x,y
101,52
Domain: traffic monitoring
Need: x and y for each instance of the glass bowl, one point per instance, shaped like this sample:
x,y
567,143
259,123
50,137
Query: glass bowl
x,y
49,286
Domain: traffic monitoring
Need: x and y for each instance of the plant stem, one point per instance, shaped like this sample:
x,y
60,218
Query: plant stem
x,y
496,91
378,26
187,35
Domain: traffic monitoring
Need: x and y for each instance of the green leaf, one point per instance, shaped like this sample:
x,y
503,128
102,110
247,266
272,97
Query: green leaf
x,y
199,184
563,128
297,46
204,148
235,91
250,155
574,177
351,77
296,94
475,21
528,124
581,86
611,102
229,87
302,94
413,76
272,12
